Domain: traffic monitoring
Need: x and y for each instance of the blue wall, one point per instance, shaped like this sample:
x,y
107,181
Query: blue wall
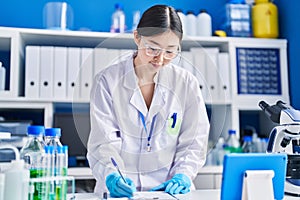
x,y
290,29
96,16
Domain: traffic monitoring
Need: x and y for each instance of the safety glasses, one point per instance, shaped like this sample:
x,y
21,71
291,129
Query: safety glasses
x,y
152,50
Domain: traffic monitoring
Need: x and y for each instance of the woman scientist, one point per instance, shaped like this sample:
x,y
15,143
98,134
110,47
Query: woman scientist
x,y
148,115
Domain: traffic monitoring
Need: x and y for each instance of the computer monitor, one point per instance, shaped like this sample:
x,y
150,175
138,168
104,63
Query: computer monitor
x,y
235,164
75,129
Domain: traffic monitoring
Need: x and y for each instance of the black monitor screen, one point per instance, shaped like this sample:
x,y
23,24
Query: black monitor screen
x,y
75,132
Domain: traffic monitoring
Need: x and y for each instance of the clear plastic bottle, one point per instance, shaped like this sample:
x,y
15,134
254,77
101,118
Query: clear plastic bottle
x,y
220,152
52,137
118,20
204,27
248,145
232,142
33,153
135,19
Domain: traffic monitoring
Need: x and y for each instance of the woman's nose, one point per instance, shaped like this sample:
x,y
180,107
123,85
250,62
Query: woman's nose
x,y
160,56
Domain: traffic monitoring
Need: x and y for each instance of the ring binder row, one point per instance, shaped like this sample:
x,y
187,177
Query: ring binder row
x,y
65,73
212,70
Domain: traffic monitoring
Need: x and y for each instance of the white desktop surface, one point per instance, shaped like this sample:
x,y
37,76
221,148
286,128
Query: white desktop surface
x,y
194,195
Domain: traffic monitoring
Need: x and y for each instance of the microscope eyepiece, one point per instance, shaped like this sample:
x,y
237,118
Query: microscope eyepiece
x,y
273,112
263,105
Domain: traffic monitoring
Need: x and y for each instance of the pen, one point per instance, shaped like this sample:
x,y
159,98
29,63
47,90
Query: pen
x,y
117,167
104,196
174,116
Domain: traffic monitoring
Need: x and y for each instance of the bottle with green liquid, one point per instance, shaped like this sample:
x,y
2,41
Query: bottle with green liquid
x,y
33,153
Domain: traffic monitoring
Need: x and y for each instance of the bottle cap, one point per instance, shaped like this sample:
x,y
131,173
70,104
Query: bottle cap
x,y
65,149
49,149
247,139
62,149
190,12
203,11
53,132
118,6
231,131
35,130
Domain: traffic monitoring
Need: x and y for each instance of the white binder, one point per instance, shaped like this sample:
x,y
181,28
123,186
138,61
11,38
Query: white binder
x,y
187,61
32,71
86,72
113,56
224,70
212,74
60,73
124,53
100,60
46,72
199,57
73,78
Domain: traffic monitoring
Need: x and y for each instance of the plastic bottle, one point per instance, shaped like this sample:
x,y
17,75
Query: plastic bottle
x,y
247,145
52,137
264,19
191,21
2,77
232,142
135,19
16,181
256,143
118,20
182,19
204,24
220,152
32,153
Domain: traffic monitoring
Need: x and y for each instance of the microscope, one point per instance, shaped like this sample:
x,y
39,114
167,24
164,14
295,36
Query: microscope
x,y
285,138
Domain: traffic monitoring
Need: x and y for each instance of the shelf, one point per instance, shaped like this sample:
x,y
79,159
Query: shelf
x,y
224,109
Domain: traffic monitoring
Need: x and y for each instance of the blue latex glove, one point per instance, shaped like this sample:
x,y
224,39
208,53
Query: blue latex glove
x,y
117,187
179,184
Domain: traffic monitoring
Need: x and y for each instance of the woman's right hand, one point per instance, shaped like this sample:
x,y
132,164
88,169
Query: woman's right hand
x,y
117,187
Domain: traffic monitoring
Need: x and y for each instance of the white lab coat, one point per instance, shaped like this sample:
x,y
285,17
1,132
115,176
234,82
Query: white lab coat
x,y
117,130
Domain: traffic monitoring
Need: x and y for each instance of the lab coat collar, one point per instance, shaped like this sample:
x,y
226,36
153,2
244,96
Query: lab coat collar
x,y
162,84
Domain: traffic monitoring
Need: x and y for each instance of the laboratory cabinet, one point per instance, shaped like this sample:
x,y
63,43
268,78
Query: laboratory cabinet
x,y
234,74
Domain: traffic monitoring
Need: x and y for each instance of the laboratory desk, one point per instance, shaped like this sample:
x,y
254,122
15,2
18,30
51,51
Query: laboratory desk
x,y
194,195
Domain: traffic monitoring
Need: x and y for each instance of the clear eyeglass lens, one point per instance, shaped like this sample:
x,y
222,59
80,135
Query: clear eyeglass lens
x,y
150,51
153,51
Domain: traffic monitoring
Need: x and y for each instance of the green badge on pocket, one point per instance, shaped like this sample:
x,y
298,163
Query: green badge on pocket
x,y
173,125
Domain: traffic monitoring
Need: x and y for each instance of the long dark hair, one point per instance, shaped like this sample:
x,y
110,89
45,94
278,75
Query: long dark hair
x,y
159,19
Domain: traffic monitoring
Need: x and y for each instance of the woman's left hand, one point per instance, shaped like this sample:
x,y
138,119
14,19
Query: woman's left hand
x,y
178,184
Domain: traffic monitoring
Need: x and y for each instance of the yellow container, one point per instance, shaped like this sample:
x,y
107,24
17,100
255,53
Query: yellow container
x,y
264,19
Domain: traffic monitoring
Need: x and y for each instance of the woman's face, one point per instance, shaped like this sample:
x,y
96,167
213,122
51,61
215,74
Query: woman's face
x,y
156,51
